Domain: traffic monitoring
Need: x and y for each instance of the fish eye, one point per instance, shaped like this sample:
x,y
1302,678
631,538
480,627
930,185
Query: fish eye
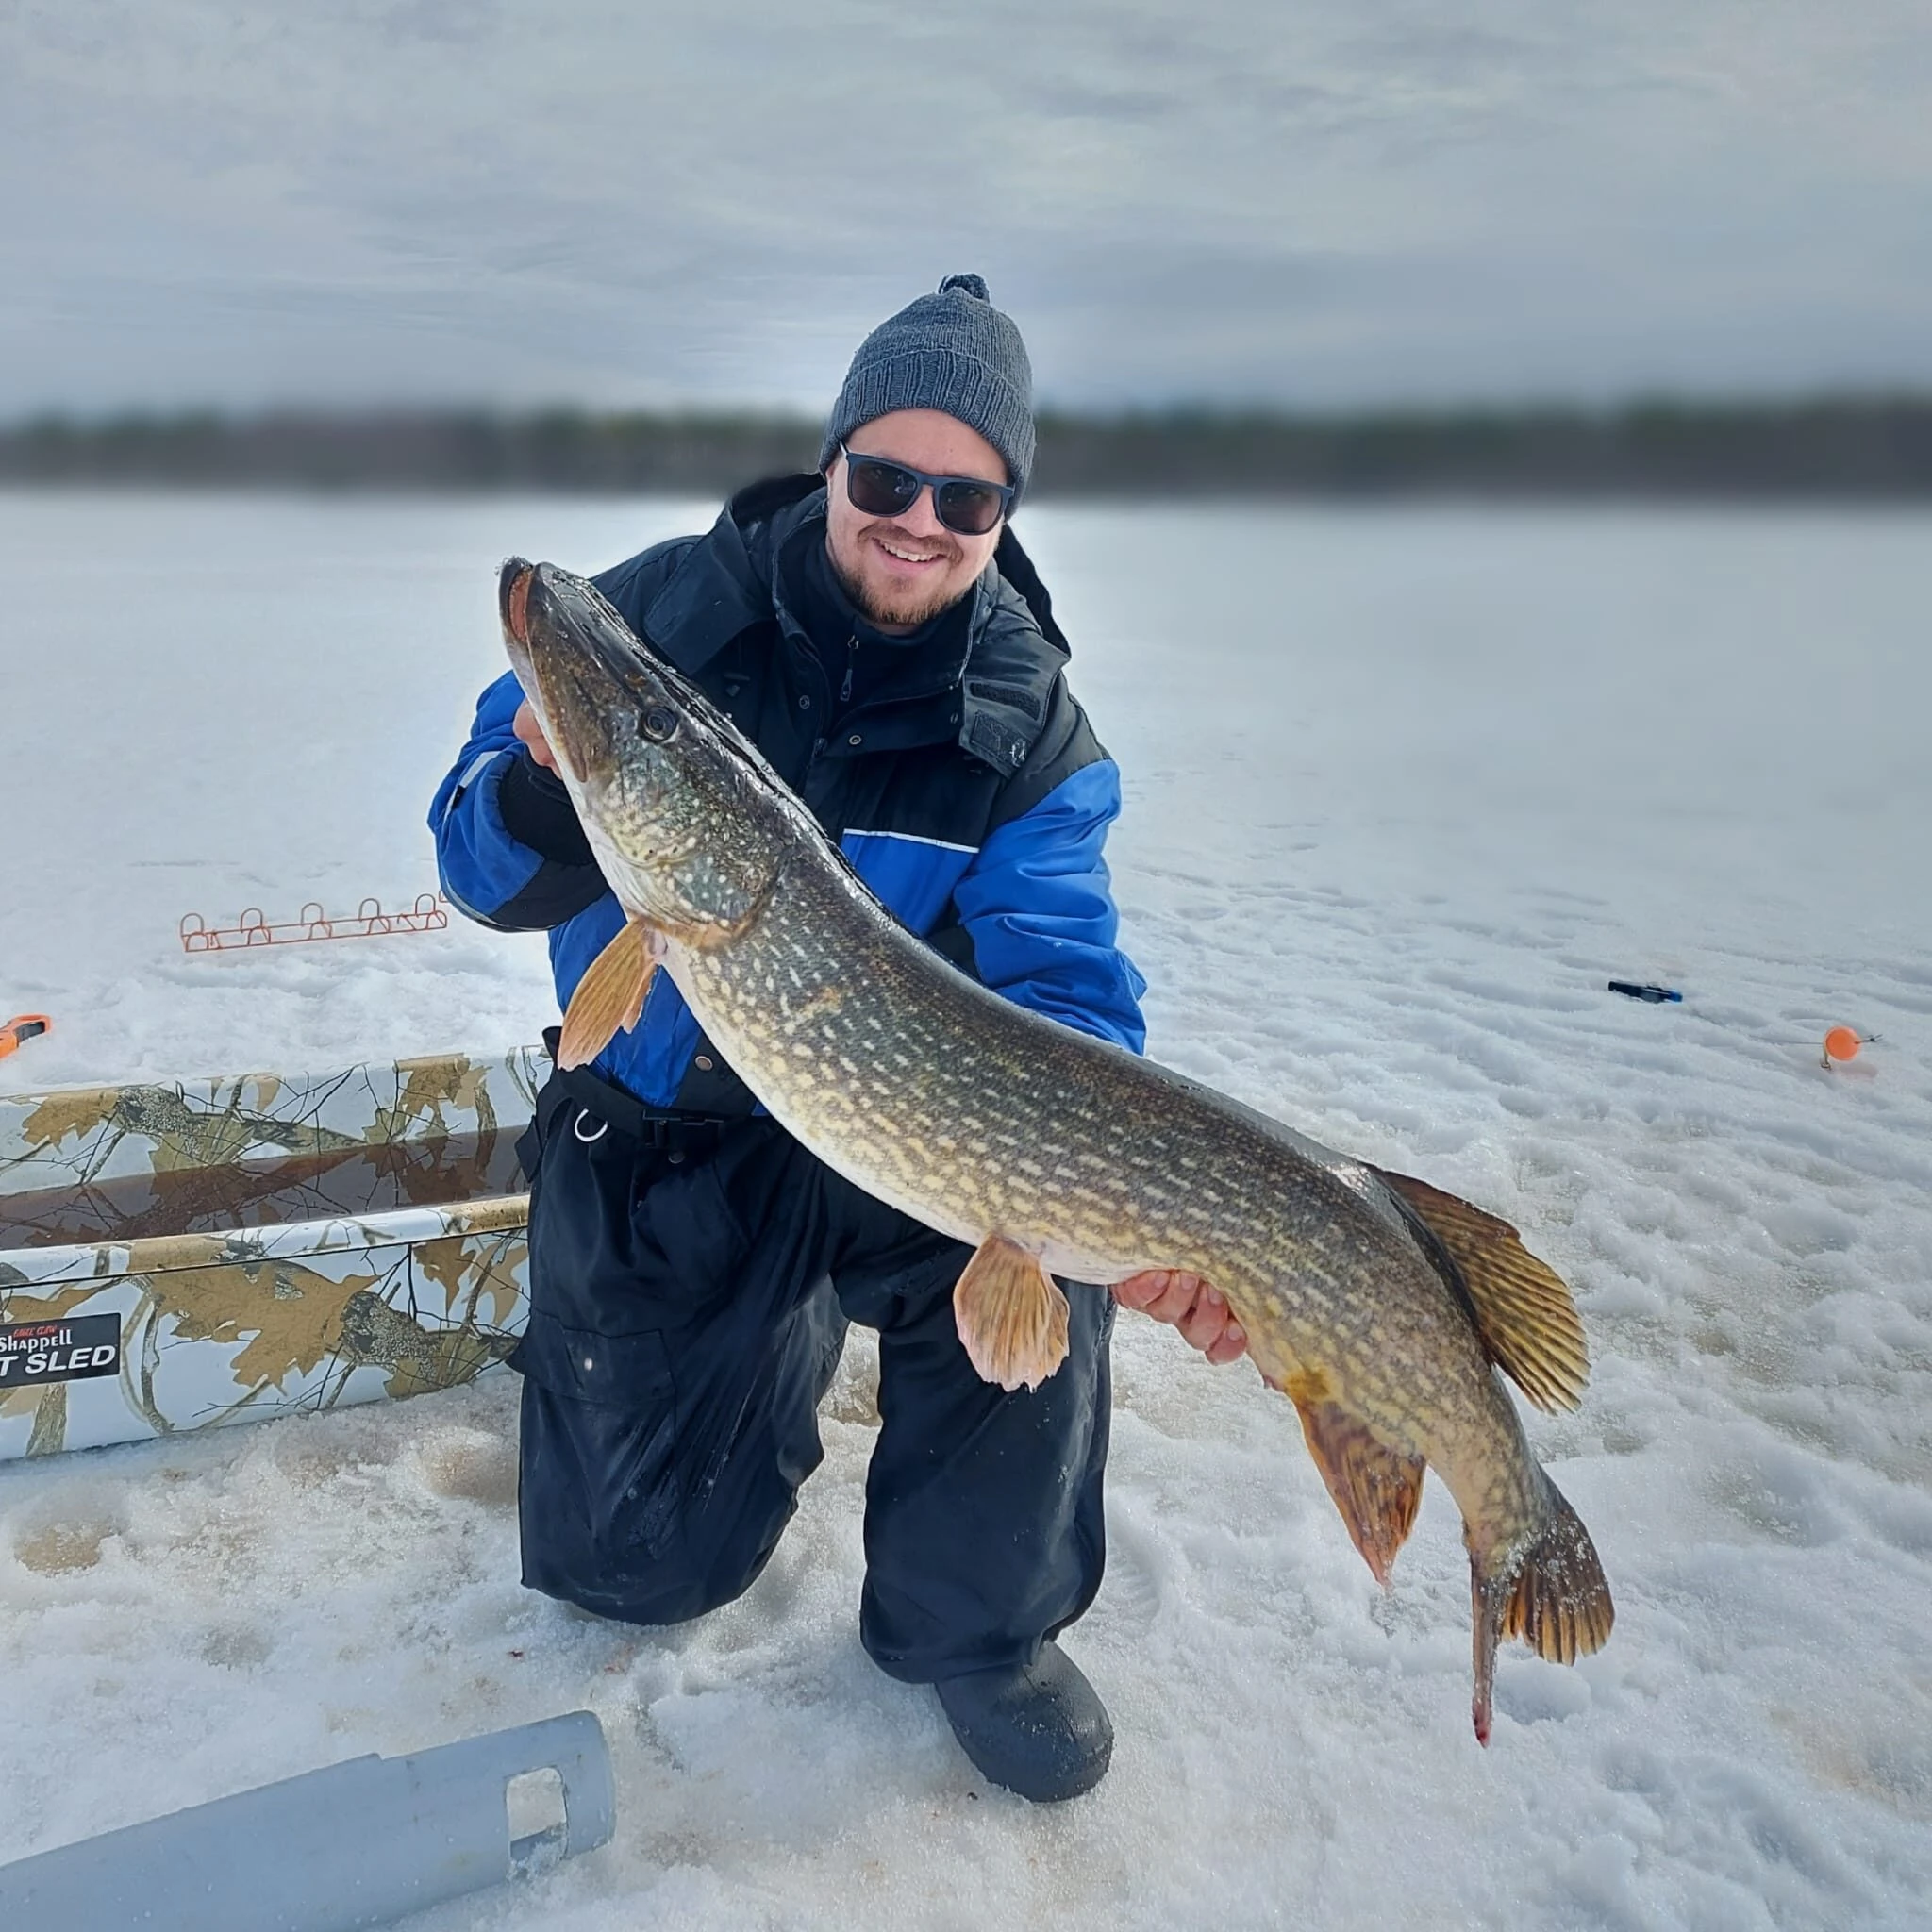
x,y
658,722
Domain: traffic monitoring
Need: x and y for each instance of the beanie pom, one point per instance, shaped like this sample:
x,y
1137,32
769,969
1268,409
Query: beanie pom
x,y
971,285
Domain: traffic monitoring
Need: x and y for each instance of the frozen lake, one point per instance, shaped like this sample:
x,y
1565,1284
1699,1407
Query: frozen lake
x,y
1405,788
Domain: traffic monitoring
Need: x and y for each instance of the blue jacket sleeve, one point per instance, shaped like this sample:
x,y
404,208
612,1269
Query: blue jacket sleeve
x,y
509,846
1038,903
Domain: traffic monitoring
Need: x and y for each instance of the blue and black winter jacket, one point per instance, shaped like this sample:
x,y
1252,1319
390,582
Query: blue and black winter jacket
x,y
969,793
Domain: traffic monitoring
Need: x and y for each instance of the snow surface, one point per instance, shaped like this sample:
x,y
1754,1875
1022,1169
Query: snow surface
x,y
1404,790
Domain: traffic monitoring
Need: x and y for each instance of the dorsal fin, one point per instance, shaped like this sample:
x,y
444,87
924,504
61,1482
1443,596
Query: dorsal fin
x,y
1524,1313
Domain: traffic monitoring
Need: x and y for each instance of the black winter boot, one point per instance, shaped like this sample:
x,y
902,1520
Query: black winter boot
x,y
1037,1730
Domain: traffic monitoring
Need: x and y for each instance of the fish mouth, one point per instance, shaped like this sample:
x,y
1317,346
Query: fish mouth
x,y
514,585
573,669
553,619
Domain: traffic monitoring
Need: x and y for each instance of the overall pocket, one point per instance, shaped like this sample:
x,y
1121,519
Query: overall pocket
x,y
611,1420
588,1365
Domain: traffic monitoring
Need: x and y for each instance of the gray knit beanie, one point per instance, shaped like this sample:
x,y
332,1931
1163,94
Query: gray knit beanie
x,y
953,350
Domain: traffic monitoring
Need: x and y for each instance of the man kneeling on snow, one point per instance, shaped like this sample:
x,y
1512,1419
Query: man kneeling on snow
x,y
878,632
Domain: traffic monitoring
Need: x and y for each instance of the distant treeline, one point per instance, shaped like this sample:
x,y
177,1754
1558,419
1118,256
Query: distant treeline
x,y
1846,448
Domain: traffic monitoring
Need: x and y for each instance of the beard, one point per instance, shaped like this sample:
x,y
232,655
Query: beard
x,y
913,605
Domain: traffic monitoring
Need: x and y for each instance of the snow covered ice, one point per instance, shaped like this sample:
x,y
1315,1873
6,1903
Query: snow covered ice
x,y
1405,788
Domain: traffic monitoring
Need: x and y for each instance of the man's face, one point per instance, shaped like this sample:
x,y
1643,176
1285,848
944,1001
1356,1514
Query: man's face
x,y
901,571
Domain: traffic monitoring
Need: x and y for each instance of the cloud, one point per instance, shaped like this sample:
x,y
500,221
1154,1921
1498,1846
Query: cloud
x,y
1334,203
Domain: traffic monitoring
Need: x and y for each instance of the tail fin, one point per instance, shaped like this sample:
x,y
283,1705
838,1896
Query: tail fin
x,y
1553,1595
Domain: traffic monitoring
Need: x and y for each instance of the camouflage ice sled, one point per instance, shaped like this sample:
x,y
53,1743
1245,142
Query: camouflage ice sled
x,y
176,1256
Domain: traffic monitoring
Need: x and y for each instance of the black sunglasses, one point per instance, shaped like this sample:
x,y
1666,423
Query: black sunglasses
x,y
967,506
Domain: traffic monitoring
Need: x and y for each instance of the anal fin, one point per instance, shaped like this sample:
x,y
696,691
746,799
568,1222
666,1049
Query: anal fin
x,y
1376,1489
1012,1315
609,998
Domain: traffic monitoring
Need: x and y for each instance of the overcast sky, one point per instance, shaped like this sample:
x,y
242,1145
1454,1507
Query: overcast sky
x,y
622,202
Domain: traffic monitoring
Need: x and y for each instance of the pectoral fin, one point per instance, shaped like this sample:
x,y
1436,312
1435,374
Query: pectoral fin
x,y
1376,1489
609,998
1012,1315
1524,1313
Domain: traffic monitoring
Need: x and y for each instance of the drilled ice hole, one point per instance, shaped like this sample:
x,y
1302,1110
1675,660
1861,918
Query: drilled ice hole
x,y
538,1819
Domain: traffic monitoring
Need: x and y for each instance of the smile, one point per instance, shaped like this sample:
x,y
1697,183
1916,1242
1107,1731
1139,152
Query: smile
x,y
913,556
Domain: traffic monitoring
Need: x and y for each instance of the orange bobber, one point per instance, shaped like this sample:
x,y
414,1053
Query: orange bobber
x,y
1842,1043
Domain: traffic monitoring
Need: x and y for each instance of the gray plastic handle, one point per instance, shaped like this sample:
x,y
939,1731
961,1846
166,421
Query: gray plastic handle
x,y
355,1845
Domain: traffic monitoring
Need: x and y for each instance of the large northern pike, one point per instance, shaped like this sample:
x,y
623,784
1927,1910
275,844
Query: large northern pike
x,y
1381,1306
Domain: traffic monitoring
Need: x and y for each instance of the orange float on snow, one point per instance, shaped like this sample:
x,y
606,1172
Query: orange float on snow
x,y
1842,1043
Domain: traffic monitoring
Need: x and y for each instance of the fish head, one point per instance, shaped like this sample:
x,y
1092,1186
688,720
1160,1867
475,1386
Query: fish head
x,y
688,822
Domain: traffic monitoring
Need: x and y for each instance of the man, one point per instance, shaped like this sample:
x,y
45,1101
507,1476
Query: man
x,y
879,633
